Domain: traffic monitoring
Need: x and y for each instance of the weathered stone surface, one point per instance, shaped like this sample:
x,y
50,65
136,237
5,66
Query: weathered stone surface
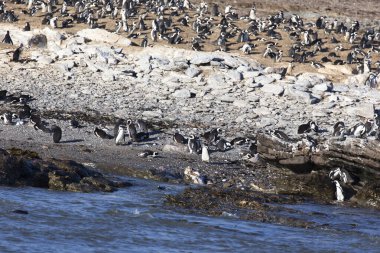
x,y
274,89
192,71
101,35
365,110
183,93
38,40
25,168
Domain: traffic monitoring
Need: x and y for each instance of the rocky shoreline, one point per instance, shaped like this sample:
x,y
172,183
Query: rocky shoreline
x,y
177,90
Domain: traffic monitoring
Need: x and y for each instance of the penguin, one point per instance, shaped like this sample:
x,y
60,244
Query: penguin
x,y
148,153
308,127
144,42
358,130
317,65
223,145
212,136
193,145
179,138
339,192
17,53
7,39
238,141
205,154
342,175
132,132
116,127
280,135
7,118
26,27
101,134
3,94
141,124
120,138
339,129
57,133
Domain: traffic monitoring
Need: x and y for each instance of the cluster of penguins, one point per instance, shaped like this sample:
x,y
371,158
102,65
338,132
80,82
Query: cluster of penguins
x,y
23,114
171,16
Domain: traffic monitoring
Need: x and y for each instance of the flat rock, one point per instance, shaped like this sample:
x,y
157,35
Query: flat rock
x,y
274,89
101,35
183,93
264,80
365,110
192,71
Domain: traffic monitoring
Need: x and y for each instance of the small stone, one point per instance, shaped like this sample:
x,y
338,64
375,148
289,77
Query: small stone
x,y
183,93
274,89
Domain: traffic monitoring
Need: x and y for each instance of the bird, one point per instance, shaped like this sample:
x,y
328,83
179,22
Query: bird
x,y
308,127
179,138
205,154
223,145
57,133
17,53
132,132
339,192
148,153
339,128
212,135
102,134
193,145
120,137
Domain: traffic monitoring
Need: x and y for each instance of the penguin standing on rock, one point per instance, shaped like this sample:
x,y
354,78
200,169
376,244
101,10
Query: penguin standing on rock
x,y
26,27
194,145
132,132
57,133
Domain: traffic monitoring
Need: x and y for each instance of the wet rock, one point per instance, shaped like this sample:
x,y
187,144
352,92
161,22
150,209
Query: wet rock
x,y
24,168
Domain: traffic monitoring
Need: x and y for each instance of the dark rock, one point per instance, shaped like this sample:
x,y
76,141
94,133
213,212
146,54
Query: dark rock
x,y
38,40
25,168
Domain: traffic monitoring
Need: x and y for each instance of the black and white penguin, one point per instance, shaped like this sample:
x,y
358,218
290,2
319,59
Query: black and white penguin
x,y
239,141
205,154
102,134
143,126
223,145
179,138
57,133
339,128
7,39
17,53
359,130
132,132
144,42
212,136
339,192
279,135
194,145
308,127
341,175
120,137
116,127
148,153
26,27
7,118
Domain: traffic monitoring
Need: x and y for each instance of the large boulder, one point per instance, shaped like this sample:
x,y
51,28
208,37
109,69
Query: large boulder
x,y
38,40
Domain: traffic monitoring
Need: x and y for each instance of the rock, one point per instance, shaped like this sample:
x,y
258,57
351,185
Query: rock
x,y
323,87
264,80
357,80
25,168
235,76
298,95
241,103
274,89
365,110
183,93
101,35
152,114
38,40
192,71
44,59
108,76
227,99
310,79
201,59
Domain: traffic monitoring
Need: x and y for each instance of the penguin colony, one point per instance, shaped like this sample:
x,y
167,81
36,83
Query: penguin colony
x,y
127,132
147,22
